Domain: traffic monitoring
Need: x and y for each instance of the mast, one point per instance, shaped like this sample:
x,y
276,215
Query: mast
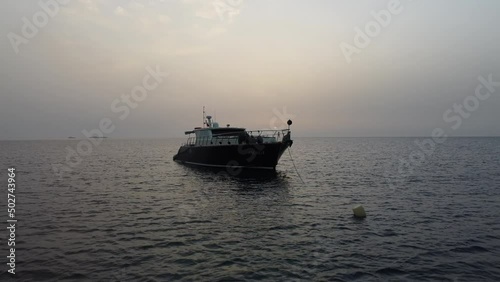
x,y
203,118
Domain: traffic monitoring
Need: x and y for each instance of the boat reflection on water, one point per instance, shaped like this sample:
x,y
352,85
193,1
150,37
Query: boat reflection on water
x,y
236,173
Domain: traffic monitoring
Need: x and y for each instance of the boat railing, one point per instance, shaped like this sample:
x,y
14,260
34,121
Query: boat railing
x,y
278,134
265,136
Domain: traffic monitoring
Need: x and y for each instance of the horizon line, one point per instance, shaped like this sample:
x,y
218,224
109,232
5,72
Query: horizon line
x,y
138,138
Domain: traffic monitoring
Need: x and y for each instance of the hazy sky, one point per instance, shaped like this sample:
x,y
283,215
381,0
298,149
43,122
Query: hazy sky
x,y
244,58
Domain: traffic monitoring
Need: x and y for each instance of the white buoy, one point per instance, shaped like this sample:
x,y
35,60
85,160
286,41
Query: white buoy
x,y
359,211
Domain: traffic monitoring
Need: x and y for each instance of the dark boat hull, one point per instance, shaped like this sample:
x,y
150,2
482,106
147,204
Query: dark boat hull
x,y
254,156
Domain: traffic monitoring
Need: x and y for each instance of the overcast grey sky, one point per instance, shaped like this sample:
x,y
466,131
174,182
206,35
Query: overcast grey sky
x,y
242,59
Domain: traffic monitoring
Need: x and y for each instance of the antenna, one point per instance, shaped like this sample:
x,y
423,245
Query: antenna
x,y
203,118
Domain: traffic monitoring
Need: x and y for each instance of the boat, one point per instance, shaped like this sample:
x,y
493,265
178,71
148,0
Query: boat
x,y
233,147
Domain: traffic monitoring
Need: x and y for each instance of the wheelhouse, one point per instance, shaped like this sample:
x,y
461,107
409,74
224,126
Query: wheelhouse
x,y
213,135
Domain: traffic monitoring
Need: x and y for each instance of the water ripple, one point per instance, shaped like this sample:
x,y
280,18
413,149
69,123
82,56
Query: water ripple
x,y
129,213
